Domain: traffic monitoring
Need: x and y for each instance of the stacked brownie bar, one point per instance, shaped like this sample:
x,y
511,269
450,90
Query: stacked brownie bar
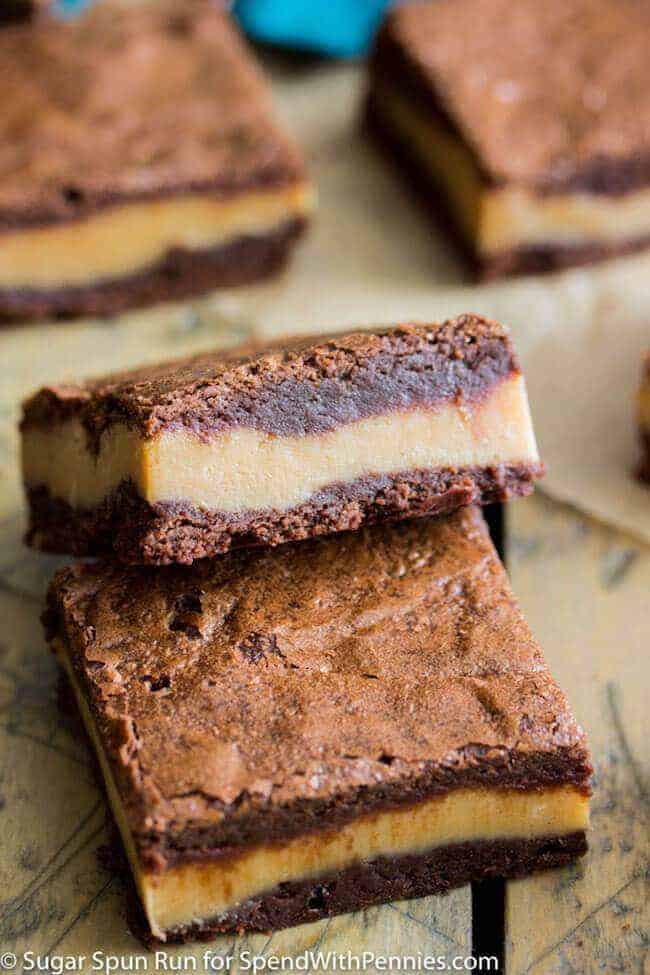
x,y
140,161
290,726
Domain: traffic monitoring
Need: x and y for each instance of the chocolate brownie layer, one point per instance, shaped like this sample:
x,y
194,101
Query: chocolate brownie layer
x,y
180,274
384,880
541,260
12,11
166,533
643,420
643,470
101,123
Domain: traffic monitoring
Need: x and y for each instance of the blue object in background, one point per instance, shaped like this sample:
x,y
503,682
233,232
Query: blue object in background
x,y
68,8
338,28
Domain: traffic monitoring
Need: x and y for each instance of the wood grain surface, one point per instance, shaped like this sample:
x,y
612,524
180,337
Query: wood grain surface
x,y
585,591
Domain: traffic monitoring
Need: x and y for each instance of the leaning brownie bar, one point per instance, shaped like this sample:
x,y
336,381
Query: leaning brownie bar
x,y
287,734
140,161
262,446
526,126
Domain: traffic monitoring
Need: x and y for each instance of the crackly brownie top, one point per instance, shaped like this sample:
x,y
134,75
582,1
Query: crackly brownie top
x,y
554,93
250,686
131,102
297,385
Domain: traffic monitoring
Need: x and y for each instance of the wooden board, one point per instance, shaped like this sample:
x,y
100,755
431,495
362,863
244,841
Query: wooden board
x,y
585,590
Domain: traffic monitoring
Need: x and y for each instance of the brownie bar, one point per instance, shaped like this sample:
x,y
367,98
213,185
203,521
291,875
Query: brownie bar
x,y
263,446
261,715
523,189
193,179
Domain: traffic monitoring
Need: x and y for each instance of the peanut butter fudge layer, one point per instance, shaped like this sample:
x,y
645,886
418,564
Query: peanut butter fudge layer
x,y
287,734
527,126
643,416
181,461
139,161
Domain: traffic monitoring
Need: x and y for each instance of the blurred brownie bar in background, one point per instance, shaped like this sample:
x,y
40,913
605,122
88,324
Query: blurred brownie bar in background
x,y
293,733
526,125
139,161
181,461
643,418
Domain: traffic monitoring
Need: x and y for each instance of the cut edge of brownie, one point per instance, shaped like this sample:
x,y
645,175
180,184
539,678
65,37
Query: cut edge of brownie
x,y
389,60
378,881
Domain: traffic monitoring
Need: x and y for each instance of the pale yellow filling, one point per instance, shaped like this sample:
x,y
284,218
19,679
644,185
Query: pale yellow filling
x,y
192,893
246,469
131,237
494,220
